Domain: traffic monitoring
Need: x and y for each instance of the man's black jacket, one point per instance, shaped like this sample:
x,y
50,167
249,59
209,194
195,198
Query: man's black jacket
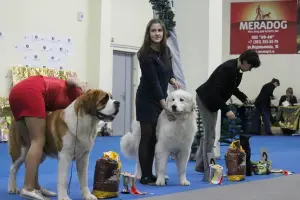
x,y
221,85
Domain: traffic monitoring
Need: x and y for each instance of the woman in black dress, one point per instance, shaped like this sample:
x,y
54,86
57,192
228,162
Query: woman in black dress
x,y
156,67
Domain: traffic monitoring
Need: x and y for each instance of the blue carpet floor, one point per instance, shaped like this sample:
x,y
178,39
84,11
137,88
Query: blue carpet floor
x,y
284,151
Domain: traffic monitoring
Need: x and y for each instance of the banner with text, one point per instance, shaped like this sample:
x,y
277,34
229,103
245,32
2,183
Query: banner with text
x,y
269,27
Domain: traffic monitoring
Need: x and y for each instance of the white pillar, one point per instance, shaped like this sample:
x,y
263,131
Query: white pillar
x,y
106,52
215,53
200,41
93,44
105,56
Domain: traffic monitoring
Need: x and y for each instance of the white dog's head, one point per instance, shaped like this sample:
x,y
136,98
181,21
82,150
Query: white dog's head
x,y
98,103
181,102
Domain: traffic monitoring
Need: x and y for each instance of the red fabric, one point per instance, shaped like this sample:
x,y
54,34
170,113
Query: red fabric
x,y
35,95
58,94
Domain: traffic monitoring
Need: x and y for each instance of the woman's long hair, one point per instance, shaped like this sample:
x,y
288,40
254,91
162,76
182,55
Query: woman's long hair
x,y
142,53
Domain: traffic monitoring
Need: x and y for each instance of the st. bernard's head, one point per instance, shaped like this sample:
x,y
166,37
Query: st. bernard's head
x,y
97,103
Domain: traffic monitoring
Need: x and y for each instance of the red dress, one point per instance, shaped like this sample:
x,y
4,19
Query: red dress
x,y
35,95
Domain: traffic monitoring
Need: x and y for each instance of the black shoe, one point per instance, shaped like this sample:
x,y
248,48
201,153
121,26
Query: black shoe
x,y
153,178
199,169
147,181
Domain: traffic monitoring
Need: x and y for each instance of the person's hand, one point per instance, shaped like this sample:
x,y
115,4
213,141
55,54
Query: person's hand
x,y
83,86
175,84
230,115
247,102
170,115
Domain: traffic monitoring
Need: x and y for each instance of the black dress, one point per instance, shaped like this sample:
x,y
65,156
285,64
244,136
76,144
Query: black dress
x,y
156,75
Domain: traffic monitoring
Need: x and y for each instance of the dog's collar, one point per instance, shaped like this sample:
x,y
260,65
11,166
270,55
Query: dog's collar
x,y
104,117
183,115
100,115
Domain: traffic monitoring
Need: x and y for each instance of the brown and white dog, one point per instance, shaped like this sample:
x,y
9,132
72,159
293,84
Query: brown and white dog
x,y
70,135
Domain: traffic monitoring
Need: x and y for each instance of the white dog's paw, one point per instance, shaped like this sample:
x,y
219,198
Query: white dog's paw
x,y
160,181
13,190
184,182
64,198
89,196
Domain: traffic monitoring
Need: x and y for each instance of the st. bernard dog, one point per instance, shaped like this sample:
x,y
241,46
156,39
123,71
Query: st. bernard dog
x,y
70,135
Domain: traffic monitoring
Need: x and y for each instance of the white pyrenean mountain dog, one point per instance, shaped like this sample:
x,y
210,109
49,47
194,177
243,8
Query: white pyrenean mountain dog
x,y
173,137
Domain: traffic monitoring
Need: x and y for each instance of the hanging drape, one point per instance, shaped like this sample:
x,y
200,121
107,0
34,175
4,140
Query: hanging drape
x,y
172,43
20,73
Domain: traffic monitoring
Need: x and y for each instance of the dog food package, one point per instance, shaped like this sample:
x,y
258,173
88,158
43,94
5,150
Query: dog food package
x,y
216,174
235,159
262,167
107,176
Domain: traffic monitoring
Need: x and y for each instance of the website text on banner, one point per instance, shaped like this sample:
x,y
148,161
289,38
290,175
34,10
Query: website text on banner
x,y
268,27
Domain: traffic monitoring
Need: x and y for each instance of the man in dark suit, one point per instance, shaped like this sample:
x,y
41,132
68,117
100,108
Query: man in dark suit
x,y
213,95
263,106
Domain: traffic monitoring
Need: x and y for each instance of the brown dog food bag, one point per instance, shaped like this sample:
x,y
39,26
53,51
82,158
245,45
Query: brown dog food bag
x,y
107,176
235,159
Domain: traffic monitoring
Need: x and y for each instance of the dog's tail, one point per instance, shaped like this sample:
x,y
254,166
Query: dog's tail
x,y
130,141
15,141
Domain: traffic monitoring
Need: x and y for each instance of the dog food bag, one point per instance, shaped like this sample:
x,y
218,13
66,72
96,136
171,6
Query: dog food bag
x,y
107,176
262,167
235,159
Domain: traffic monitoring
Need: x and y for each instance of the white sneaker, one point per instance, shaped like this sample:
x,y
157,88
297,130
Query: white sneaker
x,y
47,193
35,195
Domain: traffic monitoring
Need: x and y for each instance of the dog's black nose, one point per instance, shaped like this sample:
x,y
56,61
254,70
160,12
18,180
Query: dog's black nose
x,y
117,104
174,107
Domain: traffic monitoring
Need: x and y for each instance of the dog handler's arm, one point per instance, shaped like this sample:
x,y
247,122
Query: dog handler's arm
x,y
269,89
74,82
149,72
225,74
240,95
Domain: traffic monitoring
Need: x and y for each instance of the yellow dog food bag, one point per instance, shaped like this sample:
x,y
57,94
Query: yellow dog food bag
x,y
235,159
107,176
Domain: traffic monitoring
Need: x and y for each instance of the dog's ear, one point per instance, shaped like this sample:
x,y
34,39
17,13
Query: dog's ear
x,y
89,101
110,95
168,99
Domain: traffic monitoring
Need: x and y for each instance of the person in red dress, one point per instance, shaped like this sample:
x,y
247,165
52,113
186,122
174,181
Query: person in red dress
x,y
30,100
